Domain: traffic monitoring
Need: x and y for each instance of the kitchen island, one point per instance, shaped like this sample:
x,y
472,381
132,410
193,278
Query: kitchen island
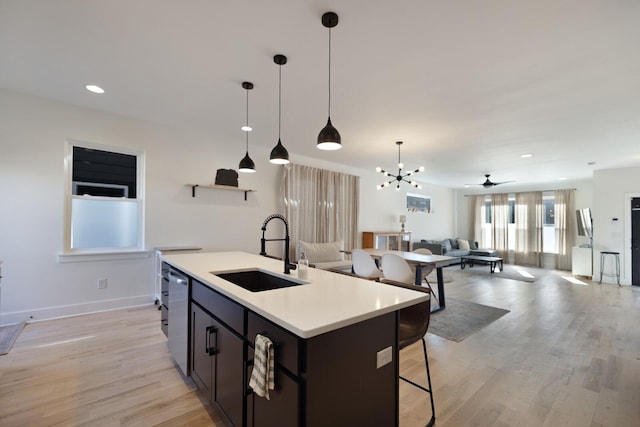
x,y
335,340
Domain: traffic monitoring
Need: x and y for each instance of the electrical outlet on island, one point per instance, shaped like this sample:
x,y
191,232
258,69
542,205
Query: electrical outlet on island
x,y
384,357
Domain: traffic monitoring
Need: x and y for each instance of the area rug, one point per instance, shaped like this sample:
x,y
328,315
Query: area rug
x,y
509,271
433,278
8,335
462,318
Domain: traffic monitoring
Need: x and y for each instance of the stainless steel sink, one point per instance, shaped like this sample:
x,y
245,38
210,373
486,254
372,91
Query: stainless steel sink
x,y
258,280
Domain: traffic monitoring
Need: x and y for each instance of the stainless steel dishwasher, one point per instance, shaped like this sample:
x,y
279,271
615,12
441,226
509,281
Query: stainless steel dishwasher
x,y
178,332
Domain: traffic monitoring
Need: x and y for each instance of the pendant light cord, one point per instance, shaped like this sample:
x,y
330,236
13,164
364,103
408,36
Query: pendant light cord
x,y
279,99
329,110
247,132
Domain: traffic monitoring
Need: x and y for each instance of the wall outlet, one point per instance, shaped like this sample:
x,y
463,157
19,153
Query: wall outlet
x,y
102,283
384,357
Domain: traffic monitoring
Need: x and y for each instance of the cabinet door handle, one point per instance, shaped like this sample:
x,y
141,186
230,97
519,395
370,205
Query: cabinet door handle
x,y
178,279
210,348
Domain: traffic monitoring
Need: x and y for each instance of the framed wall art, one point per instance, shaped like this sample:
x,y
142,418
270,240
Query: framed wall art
x,y
419,203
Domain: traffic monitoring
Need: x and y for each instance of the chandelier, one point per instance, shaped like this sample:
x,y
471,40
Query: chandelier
x,y
400,177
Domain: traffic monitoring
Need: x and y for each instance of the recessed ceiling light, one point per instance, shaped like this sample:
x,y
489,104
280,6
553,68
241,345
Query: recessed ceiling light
x,y
526,156
94,89
564,178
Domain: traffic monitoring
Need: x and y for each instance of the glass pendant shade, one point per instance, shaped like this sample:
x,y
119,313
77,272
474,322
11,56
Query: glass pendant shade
x,y
329,138
279,154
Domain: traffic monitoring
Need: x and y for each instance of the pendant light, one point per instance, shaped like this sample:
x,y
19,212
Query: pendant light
x,y
246,164
279,154
400,177
329,137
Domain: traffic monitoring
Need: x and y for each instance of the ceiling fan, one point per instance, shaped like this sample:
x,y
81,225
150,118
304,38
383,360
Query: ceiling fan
x,y
488,183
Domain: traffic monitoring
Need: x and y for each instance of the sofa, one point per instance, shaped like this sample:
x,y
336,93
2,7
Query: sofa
x,y
450,247
323,255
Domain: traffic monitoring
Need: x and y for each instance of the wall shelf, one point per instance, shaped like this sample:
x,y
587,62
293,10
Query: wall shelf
x,y
219,187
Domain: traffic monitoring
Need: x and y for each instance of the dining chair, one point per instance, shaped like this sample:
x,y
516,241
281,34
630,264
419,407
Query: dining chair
x,y
394,267
364,266
413,324
426,270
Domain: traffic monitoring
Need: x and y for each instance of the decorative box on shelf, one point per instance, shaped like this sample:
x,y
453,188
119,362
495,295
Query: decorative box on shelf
x,y
227,177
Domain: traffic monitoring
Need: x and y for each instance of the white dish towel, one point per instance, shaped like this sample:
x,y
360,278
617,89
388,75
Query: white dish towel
x,y
262,376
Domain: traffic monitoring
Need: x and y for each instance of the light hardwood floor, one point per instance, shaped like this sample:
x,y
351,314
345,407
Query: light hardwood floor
x,y
566,355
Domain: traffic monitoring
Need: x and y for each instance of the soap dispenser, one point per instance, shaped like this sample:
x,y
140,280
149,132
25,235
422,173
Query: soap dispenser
x,y
303,267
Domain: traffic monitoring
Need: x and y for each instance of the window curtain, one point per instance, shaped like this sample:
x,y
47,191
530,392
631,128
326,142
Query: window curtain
x,y
479,221
564,227
320,205
528,226
499,223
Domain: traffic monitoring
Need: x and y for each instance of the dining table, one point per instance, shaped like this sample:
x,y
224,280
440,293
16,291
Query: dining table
x,y
421,260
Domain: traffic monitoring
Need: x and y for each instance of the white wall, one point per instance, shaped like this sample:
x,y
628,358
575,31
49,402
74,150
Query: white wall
x,y
33,132
381,209
32,136
612,189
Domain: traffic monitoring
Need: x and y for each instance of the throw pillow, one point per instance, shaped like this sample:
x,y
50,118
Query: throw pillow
x,y
446,246
463,244
322,252
454,243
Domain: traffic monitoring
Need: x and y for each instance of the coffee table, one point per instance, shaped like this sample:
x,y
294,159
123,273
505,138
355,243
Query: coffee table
x,y
491,261
483,252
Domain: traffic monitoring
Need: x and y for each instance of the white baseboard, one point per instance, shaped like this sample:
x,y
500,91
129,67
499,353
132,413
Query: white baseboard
x,y
50,313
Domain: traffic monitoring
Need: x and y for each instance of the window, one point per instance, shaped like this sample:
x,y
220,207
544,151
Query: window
x,y
104,209
548,223
511,226
320,205
487,210
511,239
549,209
548,233
512,210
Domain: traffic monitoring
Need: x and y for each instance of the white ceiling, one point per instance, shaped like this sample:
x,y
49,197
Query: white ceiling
x,y
468,85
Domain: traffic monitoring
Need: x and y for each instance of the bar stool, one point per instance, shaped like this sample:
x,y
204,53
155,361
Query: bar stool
x,y
603,255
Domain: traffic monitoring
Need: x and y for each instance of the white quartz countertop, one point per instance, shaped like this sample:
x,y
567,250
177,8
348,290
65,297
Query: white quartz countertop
x,y
327,301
